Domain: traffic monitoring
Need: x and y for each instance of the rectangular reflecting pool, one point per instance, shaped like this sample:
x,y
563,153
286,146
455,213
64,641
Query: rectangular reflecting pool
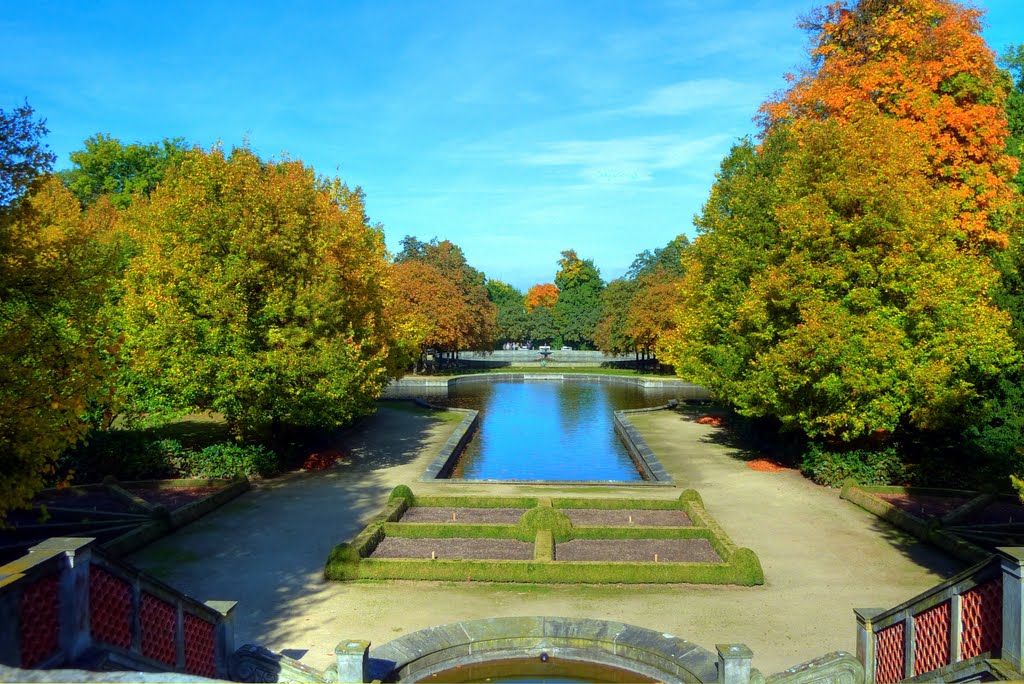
x,y
548,430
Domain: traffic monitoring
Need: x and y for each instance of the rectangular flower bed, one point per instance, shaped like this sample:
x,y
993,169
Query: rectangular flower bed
x,y
527,539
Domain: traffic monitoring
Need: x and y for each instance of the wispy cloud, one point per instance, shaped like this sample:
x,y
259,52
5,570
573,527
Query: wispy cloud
x,y
624,160
696,95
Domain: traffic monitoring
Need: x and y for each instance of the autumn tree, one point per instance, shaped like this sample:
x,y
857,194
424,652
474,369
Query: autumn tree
x,y
924,65
542,294
640,307
1000,437
855,312
432,304
259,292
651,310
108,167
54,271
479,325
578,308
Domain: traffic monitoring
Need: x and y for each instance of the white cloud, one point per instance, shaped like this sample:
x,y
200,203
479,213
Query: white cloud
x,y
695,95
625,160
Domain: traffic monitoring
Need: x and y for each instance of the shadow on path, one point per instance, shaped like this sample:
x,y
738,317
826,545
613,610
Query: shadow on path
x,y
267,548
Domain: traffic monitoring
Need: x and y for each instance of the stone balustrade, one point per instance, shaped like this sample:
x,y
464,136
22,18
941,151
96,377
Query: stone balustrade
x,y
68,604
969,625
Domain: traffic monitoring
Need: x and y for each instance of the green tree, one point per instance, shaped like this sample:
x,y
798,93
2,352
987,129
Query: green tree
x,y
259,292
108,167
578,309
1013,61
668,259
23,154
610,335
512,316
542,326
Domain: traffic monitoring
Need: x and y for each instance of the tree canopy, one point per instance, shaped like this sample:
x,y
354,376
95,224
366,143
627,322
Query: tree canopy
x,y
122,172
54,272
259,292
578,309
842,281
24,155
478,316
924,65
541,294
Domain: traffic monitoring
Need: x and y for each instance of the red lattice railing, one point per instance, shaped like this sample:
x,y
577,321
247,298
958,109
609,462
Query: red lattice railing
x,y
110,608
889,648
931,639
40,621
158,620
981,614
199,647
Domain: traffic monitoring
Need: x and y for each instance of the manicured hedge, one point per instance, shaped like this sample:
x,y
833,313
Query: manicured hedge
x,y
544,524
746,572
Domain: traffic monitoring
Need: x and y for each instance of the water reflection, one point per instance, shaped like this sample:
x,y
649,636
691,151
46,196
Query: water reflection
x,y
544,430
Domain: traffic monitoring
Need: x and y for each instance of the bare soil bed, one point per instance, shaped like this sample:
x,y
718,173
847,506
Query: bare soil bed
x,y
595,517
482,549
924,506
996,513
637,550
84,500
432,514
172,498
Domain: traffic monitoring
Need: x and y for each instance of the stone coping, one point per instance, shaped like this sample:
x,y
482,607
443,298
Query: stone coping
x,y
664,657
646,462
411,386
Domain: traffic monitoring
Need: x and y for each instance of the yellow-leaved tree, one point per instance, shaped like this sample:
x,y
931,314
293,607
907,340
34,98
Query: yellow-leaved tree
x,y
259,291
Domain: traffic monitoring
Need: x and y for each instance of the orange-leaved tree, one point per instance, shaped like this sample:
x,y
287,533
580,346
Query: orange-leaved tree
x,y
542,294
432,303
924,64
478,321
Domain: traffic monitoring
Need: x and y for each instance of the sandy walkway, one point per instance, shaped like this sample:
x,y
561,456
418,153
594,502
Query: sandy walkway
x,y
822,556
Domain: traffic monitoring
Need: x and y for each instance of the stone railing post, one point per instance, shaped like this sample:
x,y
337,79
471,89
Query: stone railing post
x,y
734,663
866,640
1012,564
224,636
75,632
353,658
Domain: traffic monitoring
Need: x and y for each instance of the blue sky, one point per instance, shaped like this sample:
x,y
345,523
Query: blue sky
x,y
514,129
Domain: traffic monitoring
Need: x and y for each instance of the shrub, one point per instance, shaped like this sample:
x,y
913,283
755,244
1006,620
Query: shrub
x,y
402,492
227,460
544,519
866,466
123,454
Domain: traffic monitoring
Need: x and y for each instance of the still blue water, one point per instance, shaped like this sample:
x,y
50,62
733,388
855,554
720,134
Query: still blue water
x,y
548,430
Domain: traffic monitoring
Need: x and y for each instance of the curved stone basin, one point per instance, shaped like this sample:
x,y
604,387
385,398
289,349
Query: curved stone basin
x,y
661,657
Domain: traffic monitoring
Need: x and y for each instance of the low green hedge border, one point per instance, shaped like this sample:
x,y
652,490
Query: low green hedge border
x,y
744,570
545,525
